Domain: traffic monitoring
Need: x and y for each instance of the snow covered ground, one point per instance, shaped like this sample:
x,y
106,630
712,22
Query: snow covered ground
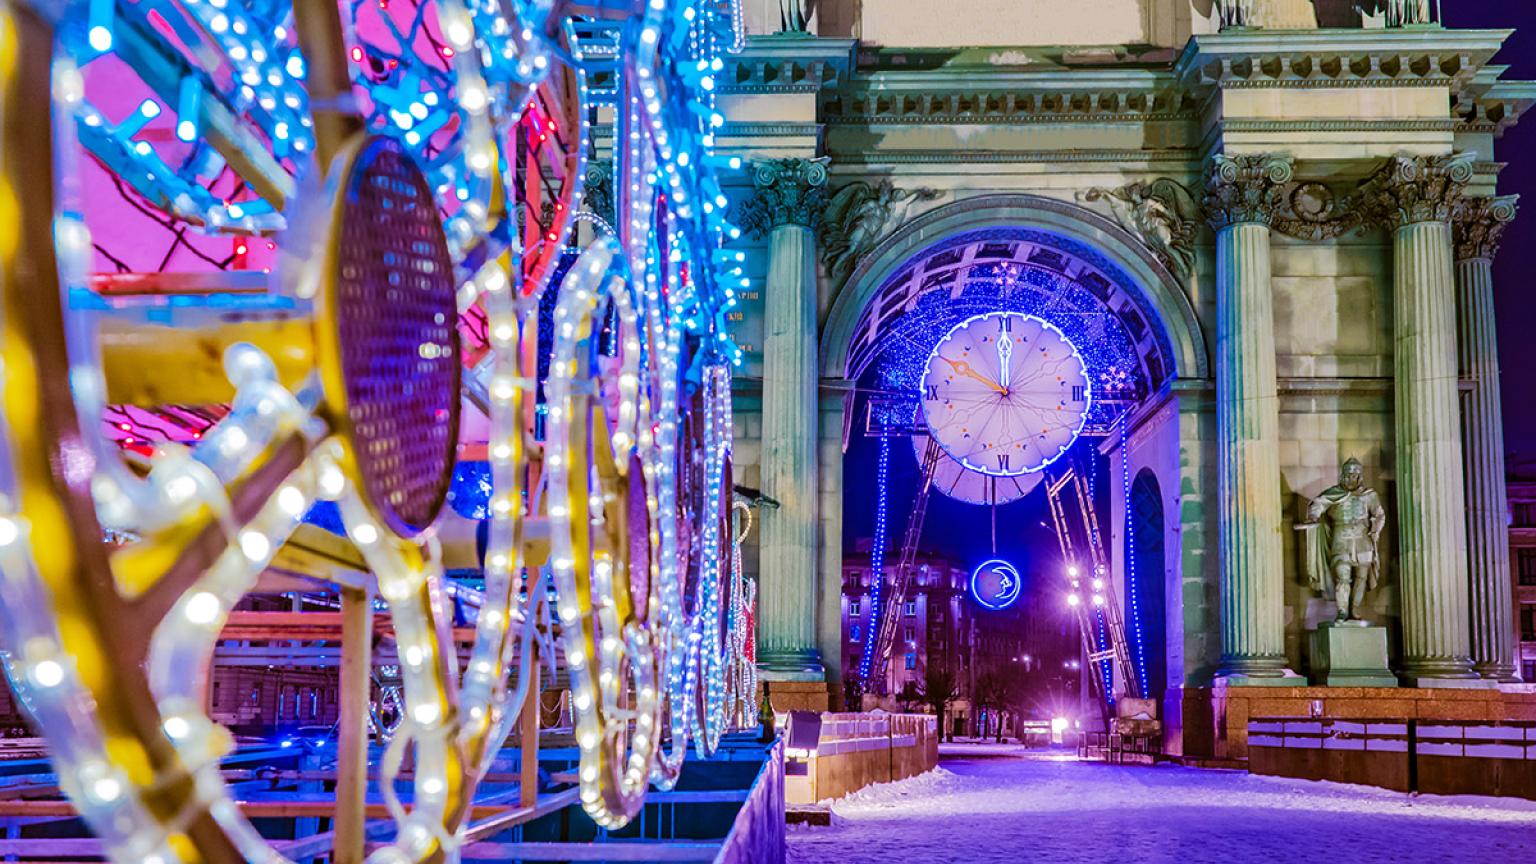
x,y
1002,804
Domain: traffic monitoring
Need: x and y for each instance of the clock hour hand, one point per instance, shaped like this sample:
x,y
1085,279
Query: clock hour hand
x,y
1004,360
963,368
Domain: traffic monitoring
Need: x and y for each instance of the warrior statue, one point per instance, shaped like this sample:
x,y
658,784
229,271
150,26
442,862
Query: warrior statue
x,y
1340,535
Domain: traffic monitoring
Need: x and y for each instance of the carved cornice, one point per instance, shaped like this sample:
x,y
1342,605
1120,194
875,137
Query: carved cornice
x,y
1337,58
1490,106
772,130
788,64
785,192
1370,126
1005,103
1412,189
951,156
1479,225
1247,188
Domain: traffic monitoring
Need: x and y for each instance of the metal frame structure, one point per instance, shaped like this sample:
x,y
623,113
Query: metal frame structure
x,y
1090,594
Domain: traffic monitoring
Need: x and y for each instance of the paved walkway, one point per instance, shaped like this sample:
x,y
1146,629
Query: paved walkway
x,y
990,804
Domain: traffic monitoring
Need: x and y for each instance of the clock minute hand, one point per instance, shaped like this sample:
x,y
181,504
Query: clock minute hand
x,y
1004,360
964,368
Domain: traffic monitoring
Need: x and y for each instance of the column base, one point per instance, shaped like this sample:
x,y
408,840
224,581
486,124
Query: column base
x,y
1504,673
1432,683
1257,672
1241,679
1443,672
791,665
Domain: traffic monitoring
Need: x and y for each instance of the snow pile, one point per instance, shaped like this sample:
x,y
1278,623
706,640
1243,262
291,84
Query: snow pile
x,y
927,785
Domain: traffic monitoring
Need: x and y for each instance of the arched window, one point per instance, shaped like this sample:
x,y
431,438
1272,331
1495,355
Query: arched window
x,y
1148,631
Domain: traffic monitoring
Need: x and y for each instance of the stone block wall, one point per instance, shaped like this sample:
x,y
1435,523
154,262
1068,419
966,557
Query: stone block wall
x,y
1333,344
1223,735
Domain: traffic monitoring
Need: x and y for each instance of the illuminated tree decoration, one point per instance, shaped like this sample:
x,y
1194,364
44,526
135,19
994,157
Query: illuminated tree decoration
x,y
995,584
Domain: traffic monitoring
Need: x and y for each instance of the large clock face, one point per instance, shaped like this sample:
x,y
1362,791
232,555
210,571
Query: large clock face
x,y
972,487
1005,393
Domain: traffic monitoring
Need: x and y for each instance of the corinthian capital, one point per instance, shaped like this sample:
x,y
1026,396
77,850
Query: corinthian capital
x,y
785,192
1411,189
1245,188
1480,224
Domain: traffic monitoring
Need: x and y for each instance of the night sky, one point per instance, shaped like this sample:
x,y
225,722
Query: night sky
x,y
1023,532
1516,307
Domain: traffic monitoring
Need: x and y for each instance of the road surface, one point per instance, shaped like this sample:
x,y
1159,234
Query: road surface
x,y
1003,804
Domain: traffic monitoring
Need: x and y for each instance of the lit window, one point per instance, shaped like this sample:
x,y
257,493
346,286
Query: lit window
x,y
911,608
1525,514
853,633
911,661
1525,565
853,608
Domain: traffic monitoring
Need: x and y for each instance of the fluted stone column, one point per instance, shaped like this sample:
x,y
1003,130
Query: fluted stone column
x,y
1479,226
1242,193
1416,196
789,197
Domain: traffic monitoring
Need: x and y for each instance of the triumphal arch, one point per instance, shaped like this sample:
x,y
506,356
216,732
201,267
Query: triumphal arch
x,y
1282,216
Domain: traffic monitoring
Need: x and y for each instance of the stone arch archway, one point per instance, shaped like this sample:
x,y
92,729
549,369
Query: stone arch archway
x,y
1150,290
1105,268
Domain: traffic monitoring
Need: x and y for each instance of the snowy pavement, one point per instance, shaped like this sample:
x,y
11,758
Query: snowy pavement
x,y
1002,804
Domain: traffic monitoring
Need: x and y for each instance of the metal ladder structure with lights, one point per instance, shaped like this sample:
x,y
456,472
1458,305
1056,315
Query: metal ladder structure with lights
x,y
1067,495
890,611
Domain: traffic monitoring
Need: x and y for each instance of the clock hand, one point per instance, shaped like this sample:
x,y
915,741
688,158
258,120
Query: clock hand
x,y
1004,360
965,369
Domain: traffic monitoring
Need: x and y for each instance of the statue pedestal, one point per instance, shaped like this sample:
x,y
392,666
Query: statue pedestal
x,y
1350,654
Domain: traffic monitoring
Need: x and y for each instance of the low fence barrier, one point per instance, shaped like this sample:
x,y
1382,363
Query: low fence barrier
x,y
1443,757
757,835
725,810
850,751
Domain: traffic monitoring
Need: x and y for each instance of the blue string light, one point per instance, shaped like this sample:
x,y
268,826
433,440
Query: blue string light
x,y
470,492
1132,589
876,560
1106,667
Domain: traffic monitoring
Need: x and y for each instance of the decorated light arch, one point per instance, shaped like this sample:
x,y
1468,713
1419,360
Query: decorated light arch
x,y
929,345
